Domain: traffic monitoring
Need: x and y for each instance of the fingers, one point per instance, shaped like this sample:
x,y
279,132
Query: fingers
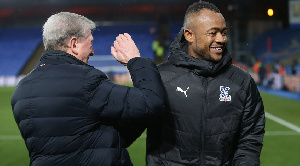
x,y
123,37
122,43
124,49
117,45
120,46
127,36
113,51
117,51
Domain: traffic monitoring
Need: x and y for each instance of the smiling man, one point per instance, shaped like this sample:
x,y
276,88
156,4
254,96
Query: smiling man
x,y
206,33
214,114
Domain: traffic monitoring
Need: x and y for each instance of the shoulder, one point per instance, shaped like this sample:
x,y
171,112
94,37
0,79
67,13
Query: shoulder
x,y
90,72
233,69
94,76
169,71
239,76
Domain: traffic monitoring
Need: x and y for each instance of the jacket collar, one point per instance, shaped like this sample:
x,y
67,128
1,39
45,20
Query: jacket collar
x,y
60,57
179,57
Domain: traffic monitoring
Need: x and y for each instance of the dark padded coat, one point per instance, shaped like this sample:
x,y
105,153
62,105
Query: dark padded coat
x,y
70,114
214,114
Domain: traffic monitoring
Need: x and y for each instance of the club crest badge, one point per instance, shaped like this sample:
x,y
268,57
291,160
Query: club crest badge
x,y
224,96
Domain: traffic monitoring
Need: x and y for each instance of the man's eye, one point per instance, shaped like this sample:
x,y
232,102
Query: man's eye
x,y
212,33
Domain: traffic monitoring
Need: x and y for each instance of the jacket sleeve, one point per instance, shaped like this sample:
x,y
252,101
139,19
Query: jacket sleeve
x,y
111,100
130,130
252,130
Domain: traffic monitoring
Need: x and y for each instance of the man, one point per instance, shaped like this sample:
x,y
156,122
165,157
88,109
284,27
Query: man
x,y
214,114
68,112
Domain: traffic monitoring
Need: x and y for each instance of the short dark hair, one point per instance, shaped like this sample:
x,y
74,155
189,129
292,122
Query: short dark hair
x,y
197,7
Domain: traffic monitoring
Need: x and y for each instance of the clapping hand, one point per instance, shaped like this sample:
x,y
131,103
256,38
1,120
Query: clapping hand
x,y
124,49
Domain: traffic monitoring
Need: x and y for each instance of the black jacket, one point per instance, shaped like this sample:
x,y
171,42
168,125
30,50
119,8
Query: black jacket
x,y
214,114
69,112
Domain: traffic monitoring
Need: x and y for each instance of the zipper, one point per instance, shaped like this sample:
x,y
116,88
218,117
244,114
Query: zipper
x,y
205,84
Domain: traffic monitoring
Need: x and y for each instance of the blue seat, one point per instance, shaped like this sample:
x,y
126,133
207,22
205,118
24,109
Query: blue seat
x,y
18,44
16,47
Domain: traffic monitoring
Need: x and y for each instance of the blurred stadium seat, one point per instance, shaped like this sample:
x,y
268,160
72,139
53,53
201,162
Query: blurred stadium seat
x,y
18,44
284,43
104,36
16,47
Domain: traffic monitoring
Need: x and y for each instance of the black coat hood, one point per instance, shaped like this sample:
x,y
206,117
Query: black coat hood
x,y
180,57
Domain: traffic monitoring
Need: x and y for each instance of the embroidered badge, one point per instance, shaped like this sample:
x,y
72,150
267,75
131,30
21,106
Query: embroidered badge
x,y
224,96
183,91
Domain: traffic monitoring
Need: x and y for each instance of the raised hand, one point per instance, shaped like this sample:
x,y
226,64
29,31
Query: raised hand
x,y
124,49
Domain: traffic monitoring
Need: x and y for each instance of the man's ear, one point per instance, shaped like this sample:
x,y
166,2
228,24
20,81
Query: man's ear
x,y
189,35
73,45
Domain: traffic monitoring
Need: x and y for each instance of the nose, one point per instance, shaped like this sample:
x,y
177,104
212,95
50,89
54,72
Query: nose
x,y
220,38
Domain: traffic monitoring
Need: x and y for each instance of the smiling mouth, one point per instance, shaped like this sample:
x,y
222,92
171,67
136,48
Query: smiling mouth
x,y
217,48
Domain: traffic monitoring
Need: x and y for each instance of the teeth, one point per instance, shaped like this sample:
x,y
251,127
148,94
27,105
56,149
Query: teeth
x,y
218,48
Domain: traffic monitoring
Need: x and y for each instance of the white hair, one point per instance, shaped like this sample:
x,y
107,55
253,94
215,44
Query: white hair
x,y
63,26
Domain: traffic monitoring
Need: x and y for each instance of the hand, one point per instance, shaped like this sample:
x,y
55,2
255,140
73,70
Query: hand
x,y
124,49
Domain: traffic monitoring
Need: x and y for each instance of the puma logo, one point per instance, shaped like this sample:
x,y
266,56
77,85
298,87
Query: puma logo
x,y
183,91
